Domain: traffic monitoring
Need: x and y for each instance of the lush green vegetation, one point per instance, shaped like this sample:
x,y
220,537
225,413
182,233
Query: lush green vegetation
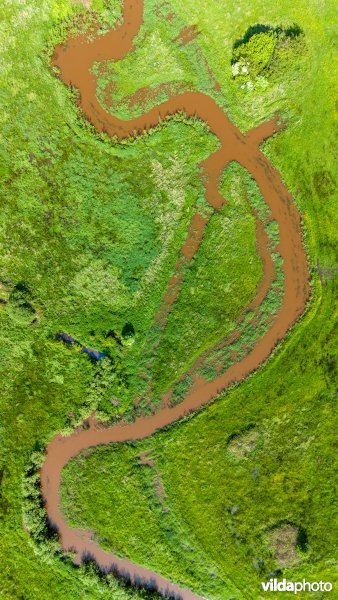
x,y
220,504
89,234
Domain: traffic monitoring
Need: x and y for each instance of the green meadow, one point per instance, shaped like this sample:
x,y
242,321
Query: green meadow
x,y
90,231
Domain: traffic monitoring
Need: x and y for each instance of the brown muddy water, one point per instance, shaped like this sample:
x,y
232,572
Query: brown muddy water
x,y
75,59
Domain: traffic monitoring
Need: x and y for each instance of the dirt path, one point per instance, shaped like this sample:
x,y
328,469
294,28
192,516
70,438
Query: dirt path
x,y
75,60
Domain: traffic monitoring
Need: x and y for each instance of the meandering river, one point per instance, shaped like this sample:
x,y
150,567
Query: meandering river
x,y
75,59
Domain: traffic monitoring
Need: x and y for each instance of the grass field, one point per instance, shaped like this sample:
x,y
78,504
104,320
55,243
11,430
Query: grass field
x,y
89,233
